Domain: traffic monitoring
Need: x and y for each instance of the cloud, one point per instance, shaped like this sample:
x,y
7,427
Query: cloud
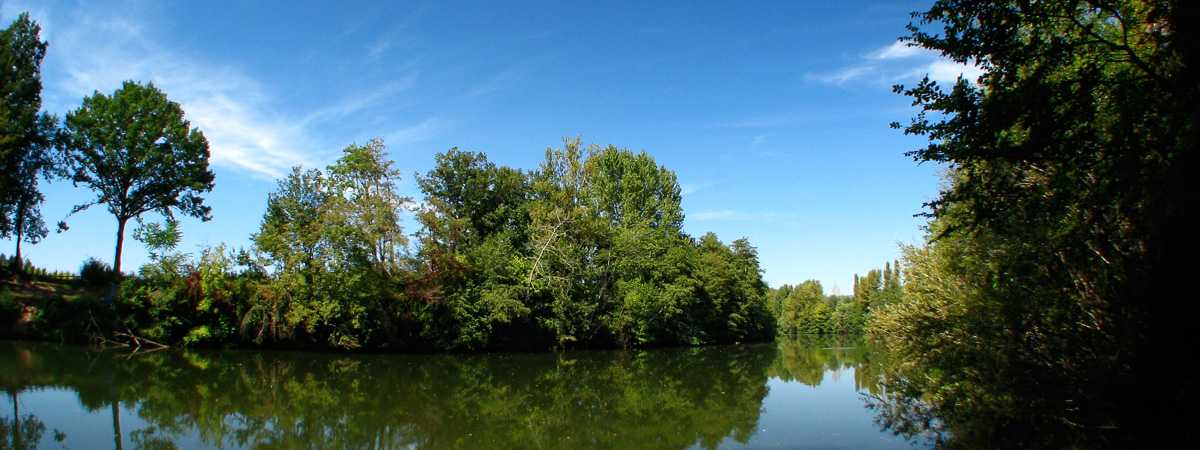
x,y
898,62
898,50
758,140
378,48
247,128
361,101
692,188
422,131
231,109
945,71
501,81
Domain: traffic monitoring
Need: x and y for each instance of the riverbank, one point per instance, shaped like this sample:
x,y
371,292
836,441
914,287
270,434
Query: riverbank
x,y
54,309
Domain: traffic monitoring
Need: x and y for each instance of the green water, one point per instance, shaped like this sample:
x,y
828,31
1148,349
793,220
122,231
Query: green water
x,y
793,394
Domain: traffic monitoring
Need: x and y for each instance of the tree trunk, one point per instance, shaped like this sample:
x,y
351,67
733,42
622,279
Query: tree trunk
x,y
18,262
116,416
120,243
16,437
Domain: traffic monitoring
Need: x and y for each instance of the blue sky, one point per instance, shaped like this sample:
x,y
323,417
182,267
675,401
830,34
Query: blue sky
x,y
773,114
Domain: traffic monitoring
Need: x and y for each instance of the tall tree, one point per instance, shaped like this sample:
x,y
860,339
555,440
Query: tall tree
x,y
472,241
25,134
139,154
1066,223
367,206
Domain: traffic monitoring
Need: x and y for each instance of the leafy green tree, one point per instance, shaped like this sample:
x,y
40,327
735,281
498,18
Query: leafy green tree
x,y
367,206
1044,293
335,245
26,134
474,229
290,233
361,223
563,234
632,190
643,263
160,241
136,151
291,239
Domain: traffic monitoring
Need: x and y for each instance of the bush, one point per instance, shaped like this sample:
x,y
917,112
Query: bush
x,y
96,273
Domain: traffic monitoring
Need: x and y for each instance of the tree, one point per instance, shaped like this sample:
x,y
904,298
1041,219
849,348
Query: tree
x,y
1066,221
26,134
291,238
363,185
474,227
563,234
139,154
335,243
361,222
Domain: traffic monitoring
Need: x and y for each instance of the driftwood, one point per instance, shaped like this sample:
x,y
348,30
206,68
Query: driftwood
x,y
124,339
140,342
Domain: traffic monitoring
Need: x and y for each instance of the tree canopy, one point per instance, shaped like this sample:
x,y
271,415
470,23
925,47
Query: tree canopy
x,y
26,134
1043,294
138,153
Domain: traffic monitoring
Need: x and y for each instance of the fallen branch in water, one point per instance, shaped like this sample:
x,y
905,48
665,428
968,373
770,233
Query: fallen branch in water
x,y
138,341
126,339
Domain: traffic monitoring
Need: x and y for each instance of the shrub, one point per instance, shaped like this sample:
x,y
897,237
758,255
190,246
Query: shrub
x,y
96,273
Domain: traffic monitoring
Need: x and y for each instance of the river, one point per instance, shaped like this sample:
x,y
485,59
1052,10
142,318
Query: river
x,y
807,393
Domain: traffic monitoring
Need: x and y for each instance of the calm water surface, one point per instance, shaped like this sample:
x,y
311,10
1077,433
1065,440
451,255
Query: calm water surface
x,y
793,394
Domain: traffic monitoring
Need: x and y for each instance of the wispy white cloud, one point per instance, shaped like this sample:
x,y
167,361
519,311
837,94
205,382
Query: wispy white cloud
x,y
356,103
898,50
758,140
692,188
945,71
845,74
422,131
500,81
230,108
246,126
897,62
376,49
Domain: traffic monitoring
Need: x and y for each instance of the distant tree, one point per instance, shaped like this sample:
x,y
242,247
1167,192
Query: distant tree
x,y
474,226
139,154
25,134
366,205
335,243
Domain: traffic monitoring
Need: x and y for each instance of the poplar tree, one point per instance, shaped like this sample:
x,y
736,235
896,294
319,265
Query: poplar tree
x,y
26,135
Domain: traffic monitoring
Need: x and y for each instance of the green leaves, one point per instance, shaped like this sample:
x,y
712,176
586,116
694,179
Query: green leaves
x,y
586,251
137,153
1062,223
26,133
335,243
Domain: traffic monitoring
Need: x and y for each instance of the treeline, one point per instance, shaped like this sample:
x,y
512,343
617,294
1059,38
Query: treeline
x,y
26,267
1045,303
585,251
806,309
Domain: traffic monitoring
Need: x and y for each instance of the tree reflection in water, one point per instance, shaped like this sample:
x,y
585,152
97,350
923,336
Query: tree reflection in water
x,y
669,398
653,399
